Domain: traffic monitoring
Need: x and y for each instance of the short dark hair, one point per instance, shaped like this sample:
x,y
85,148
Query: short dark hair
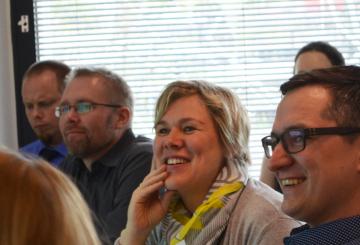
x,y
334,55
343,82
60,69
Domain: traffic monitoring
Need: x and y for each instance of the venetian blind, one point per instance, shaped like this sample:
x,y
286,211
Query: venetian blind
x,y
248,46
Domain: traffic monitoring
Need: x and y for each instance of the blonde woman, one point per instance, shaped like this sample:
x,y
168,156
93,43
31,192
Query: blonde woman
x,y
39,205
199,191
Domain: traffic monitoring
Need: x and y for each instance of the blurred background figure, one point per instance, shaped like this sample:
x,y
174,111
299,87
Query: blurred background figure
x,y
317,55
314,55
42,87
199,191
39,205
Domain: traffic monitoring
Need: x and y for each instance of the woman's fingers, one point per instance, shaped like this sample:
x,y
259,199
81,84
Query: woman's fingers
x,y
155,173
153,181
147,206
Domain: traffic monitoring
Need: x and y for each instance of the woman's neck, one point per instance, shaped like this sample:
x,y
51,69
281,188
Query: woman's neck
x,y
192,199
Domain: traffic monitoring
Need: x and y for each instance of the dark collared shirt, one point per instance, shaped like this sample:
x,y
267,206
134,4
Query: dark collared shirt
x,y
108,187
35,148
342,231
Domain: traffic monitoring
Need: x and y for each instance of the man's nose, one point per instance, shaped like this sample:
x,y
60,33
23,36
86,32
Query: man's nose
x,y
72,114
36,112
279,158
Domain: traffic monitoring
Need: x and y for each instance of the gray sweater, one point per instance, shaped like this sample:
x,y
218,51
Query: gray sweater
x,y
256,220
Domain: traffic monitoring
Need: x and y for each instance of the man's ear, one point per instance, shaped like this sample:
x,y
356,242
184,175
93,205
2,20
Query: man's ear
x,y
123,117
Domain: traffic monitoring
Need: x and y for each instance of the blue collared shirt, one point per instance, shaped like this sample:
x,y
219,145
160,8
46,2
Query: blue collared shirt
x,y
343,231
34,149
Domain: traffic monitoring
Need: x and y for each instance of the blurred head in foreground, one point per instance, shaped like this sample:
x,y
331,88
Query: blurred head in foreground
x,y
39,205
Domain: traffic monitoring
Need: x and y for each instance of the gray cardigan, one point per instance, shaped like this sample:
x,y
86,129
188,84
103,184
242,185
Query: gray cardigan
x,y
256,220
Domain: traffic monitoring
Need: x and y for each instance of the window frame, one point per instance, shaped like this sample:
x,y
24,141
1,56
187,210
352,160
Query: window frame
x,y
24,54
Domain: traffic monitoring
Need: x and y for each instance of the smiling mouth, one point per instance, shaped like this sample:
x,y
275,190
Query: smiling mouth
x,y
291,181
175,161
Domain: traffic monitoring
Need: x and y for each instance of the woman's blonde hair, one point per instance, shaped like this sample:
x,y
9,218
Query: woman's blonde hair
x,y
39,205
225,108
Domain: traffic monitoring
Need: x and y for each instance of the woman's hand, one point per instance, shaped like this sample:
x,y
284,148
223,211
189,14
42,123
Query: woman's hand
x,y
146,208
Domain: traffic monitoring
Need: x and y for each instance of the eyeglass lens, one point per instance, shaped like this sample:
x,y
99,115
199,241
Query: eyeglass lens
x,y
293,141
81,107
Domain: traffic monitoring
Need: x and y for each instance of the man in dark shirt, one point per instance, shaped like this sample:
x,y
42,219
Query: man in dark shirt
x,y
107,162
314,150
42,86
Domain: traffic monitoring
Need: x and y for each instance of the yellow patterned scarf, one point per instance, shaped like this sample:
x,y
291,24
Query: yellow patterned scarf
x,y
195,223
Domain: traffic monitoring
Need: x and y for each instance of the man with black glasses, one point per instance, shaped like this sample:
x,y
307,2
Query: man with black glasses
x,y
314,149
107,162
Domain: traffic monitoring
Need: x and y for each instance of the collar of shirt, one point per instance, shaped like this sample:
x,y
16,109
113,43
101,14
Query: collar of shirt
x,y
34,148
340,231
109,159
61,149
37,146
120,146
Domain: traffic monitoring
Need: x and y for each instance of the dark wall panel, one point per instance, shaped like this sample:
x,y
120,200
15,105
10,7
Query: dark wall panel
x,y
23,39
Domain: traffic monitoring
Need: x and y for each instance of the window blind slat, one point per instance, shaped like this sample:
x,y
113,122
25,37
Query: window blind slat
x,y
247,46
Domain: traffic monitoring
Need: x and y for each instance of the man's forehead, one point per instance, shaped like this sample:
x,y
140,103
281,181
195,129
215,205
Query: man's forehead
x,y
38,92
85,88
94,81
306,95
302,106
45,75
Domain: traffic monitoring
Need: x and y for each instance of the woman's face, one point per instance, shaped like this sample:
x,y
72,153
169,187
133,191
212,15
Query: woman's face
x,y
188,143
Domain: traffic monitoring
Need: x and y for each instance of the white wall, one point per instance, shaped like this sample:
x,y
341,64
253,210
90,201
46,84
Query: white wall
x,y
8,132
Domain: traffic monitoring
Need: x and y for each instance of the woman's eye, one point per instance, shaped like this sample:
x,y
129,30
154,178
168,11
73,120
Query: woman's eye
x,y
162,131
189,129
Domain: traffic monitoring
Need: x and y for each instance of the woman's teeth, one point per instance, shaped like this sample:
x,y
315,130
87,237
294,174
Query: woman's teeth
x,y
173,161
289,182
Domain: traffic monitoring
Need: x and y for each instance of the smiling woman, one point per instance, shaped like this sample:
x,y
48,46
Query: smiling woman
x,y
199,191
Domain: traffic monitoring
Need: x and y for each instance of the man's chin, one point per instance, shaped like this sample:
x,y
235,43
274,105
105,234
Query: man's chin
x,y
78,150
46,139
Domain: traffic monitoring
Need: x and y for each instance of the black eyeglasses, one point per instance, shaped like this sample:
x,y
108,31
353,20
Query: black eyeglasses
x,y
294,140
80,107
